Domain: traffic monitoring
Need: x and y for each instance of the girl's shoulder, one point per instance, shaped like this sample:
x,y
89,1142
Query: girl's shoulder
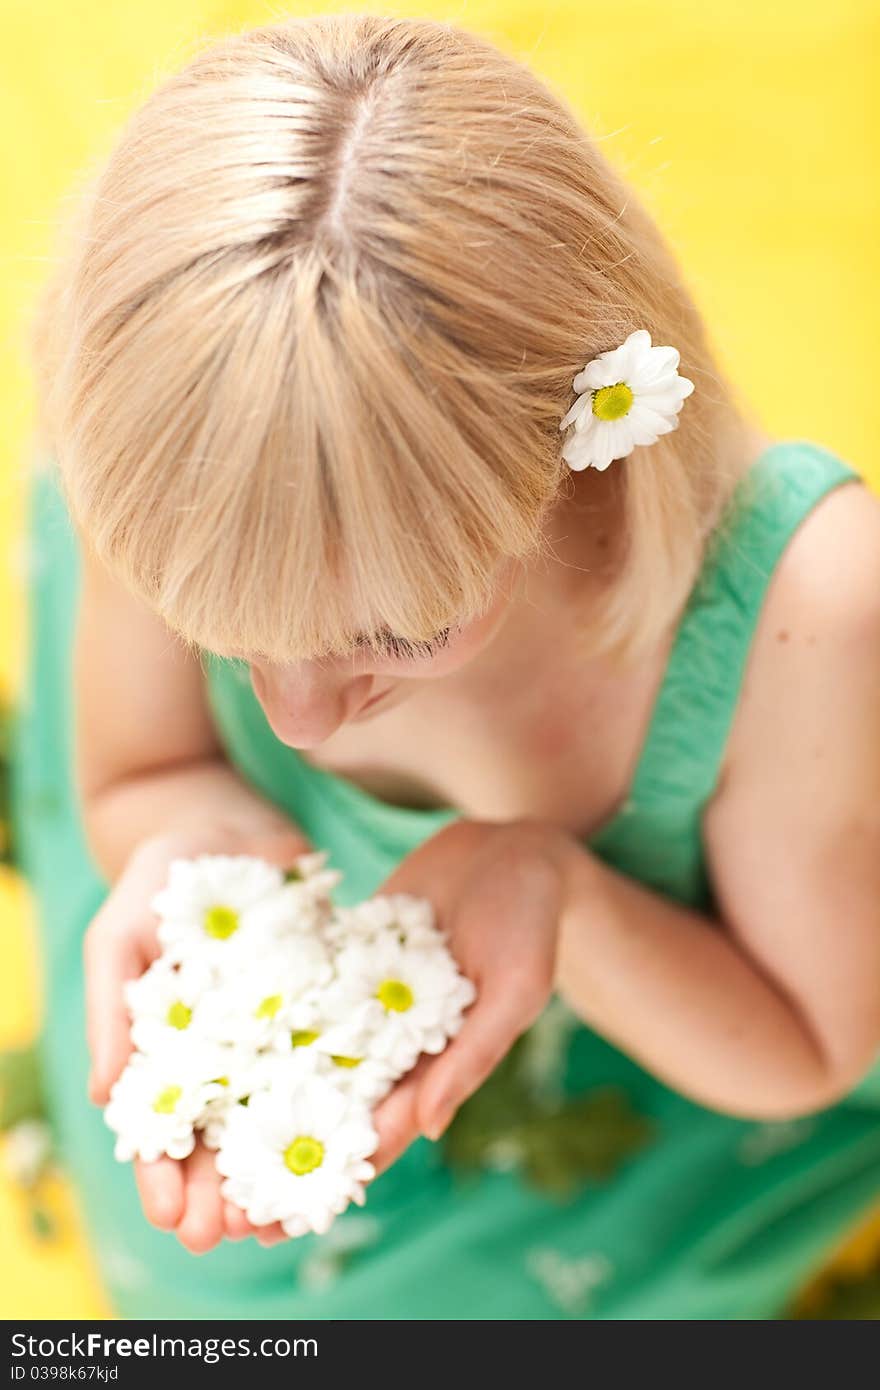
x,y
811,690
827,582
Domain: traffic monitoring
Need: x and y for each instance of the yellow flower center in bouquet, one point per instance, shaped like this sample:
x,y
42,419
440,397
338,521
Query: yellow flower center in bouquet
x,y
612,402
166,1101
396,996
269,1007
346,1061
304,1155
221,922
179,1015
302,1037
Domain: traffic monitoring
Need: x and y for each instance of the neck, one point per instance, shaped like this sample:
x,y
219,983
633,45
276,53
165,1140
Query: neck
x,y
548,597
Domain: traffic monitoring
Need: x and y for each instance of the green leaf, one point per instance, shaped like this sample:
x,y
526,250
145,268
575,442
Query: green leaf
x,y
847,1300
588,1138
7,848
557,1145
43,1223
21,1087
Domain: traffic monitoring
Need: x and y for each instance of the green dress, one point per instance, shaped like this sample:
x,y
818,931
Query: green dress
x,y
574,1184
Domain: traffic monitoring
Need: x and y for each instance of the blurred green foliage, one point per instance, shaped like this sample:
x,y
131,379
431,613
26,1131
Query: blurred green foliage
x,y
556,1142
7,848
21,1087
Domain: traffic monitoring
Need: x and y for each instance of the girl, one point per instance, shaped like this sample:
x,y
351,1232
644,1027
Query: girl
x,y
332,553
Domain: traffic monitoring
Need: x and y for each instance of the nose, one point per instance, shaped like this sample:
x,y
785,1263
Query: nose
x,y
305,703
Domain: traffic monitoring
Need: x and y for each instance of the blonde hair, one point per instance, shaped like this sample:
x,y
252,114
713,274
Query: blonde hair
x,y
303,362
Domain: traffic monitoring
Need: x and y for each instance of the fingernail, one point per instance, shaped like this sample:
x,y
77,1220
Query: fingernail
x,y
442,1116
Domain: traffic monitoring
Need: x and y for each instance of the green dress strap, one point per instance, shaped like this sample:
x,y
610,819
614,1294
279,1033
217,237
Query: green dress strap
x,y
656,835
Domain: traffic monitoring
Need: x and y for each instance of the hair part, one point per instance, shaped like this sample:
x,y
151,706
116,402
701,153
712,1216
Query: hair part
x,y
304,357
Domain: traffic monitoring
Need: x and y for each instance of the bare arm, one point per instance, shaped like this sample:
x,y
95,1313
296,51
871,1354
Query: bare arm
x,y
148,760
775,1009
153,783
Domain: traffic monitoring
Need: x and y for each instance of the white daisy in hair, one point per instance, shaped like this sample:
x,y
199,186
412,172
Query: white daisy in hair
x,y
207,908
158,1099
628,396
254,1006
297,1154
401,915
410,998
167,1003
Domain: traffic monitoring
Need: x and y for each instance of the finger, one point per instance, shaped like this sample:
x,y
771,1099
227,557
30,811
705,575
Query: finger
x,y
237,1225
396,1118
109,963
160,1185
490,1029
119,945
397,1125
270,1235
201,1226
235,1222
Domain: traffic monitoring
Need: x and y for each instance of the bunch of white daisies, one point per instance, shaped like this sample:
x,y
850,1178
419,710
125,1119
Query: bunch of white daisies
x,y
272,1022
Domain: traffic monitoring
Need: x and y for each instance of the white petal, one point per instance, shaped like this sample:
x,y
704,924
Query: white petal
x,y
658,363
581,404
602,371
620,363
664,403
645,418
577,458
634,350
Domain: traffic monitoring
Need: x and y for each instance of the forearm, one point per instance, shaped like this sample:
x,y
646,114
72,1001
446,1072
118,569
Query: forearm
x,y
124,814
671,988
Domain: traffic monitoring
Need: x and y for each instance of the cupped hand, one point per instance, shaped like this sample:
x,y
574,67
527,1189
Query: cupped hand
x,y
120,943
498,890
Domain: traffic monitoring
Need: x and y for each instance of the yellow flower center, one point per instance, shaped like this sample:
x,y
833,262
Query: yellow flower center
x,y
179,1015
292,876
304,1155
346,1061
269,1007
396,996
302,1037
166,1101
220,922
612,402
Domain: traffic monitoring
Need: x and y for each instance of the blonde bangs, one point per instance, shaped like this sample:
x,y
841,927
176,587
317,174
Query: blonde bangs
x,y
304,363
299,478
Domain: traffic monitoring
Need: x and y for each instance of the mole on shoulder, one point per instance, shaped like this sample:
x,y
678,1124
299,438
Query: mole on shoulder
x,y
782,635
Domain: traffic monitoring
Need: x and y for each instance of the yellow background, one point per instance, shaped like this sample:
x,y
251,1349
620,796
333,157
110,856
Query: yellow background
x,y
749,129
